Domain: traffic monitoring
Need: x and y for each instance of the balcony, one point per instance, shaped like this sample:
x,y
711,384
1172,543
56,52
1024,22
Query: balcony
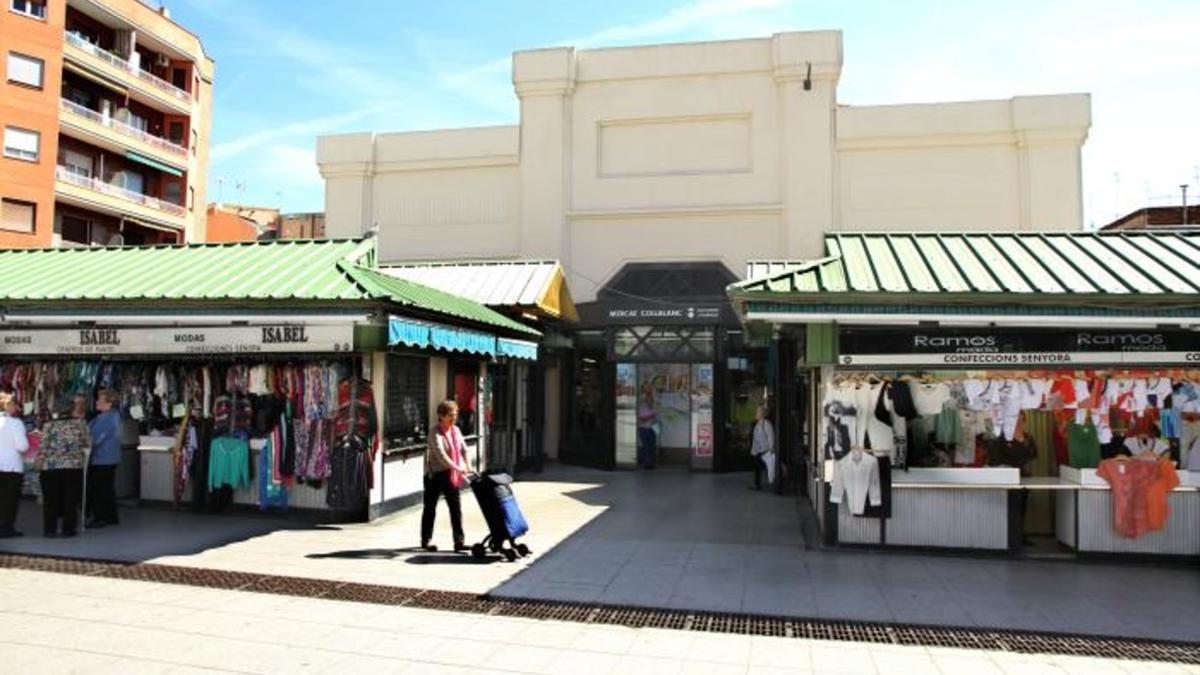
x,y
158,88
94,193
120,134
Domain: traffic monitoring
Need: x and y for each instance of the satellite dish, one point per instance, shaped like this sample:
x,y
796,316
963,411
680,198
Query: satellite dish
x,y
116,240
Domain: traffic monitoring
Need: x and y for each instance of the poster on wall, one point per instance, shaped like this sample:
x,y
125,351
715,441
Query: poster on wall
x,y
626,422
666,388
702,413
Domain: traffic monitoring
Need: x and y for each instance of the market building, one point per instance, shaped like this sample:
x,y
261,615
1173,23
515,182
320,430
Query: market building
x,y
1000,391
654,174
298,362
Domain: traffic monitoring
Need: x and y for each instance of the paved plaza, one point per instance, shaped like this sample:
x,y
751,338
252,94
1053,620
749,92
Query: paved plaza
x,y
53,623
670,539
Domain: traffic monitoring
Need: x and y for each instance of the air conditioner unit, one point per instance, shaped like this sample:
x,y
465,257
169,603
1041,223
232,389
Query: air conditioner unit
x,y
162,61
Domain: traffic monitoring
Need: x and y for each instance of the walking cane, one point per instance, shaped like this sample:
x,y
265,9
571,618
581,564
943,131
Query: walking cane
x,y
87,456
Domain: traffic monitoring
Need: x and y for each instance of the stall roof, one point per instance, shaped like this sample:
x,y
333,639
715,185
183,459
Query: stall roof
x,y
408,293
290,270
537,285
1121,267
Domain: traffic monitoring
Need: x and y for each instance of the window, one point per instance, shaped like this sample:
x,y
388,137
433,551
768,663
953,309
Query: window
x,y
75,230
175,132
406,416
77,163
21,143
18,216
34,8
173,191
129,180
26,70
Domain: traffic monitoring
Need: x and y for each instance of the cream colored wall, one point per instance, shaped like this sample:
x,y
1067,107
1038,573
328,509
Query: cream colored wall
x,y
705,151
981,165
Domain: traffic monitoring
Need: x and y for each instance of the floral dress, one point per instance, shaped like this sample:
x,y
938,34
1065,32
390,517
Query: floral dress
x,y
64,445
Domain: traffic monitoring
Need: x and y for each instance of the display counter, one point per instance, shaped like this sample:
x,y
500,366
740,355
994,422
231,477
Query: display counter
x,y
1086,522
939,508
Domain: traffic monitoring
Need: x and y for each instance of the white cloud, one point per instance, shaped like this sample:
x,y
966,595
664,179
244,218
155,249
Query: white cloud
x,y
309,127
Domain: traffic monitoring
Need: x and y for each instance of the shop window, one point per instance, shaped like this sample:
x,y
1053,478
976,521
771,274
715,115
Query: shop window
x,y
464,390
406,409
26,70
32,8
663,343
18,216
21,143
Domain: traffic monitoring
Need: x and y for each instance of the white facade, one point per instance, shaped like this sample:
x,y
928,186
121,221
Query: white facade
x,y
722,151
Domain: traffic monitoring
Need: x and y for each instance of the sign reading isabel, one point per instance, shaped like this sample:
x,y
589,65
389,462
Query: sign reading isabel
x,y
1014,347
280,338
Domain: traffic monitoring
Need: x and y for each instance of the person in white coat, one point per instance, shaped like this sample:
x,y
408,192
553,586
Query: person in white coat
x,y
13,445
762,447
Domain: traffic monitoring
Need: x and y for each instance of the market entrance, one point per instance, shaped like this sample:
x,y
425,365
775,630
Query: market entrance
x,y
662,366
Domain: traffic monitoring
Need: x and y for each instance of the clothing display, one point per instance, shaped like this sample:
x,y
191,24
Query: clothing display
x,y
1083,445
1139,493
228,463
856,478
212,411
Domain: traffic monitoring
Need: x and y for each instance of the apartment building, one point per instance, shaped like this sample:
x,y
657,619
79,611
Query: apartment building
x,y
106,111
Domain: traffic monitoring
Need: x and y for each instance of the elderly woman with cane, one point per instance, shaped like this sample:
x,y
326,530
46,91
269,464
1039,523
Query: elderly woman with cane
x,y
60,465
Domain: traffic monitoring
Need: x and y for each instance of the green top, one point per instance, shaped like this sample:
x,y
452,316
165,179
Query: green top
x,y
1083,445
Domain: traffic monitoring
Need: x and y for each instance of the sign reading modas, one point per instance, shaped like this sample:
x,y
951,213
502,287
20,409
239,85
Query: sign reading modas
x,y
280,338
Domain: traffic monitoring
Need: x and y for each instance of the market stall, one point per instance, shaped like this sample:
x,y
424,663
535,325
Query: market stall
x,y
251,374
1001,392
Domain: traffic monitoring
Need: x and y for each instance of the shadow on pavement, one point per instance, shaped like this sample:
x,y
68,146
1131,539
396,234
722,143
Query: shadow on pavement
x,y
451,559
367,553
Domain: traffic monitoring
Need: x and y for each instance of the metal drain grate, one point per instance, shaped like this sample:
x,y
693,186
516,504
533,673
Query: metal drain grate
x,y
632,617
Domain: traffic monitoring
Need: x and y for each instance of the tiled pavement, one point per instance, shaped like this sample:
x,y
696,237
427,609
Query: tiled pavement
x,y
52,623
677,540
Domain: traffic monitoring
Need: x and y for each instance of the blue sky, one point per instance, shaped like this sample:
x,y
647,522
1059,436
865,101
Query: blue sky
x,y
290,70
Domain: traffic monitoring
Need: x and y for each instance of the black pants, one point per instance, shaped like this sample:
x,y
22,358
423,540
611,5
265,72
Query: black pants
x,y
62,490
102,493
10,499
438,485
760,467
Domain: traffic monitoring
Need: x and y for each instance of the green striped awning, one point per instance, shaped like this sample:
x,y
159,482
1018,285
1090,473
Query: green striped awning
x,y
153,164
264,274
1109,267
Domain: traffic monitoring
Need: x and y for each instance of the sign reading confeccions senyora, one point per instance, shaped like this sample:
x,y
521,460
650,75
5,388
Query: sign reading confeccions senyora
x,y
100,341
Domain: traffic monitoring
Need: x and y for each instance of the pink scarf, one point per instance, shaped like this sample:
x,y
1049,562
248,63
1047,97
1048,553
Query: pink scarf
x,y
454,441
